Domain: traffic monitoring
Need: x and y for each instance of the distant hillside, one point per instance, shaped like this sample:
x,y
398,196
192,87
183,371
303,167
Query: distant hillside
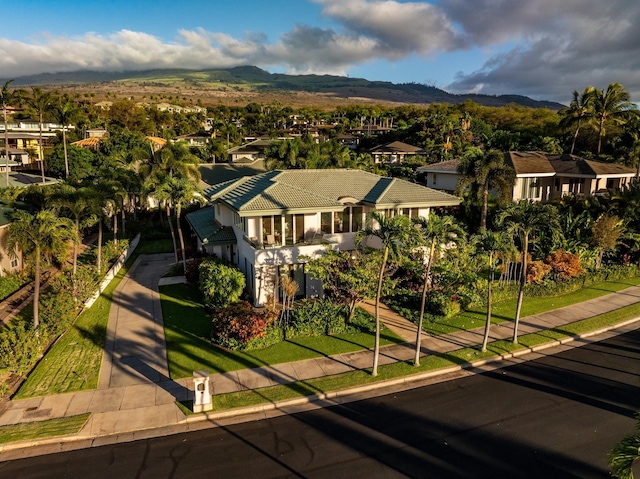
x,y
251,78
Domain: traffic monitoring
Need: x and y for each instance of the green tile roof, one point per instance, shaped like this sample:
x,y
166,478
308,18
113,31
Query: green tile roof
x,y
204,224
322,190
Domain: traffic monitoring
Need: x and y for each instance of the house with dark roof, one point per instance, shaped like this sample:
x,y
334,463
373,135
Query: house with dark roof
x,y
267,223
395,152
249,152
541,176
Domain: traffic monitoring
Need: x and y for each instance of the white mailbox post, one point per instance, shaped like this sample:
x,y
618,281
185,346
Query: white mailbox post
x,y
202,391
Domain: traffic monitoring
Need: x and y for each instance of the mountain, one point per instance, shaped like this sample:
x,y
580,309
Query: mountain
x,y
256,79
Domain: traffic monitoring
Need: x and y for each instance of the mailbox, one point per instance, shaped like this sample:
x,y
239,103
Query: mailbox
x,y
202,392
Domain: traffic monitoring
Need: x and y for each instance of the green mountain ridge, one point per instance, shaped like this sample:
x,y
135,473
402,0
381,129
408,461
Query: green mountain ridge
x,y
255,78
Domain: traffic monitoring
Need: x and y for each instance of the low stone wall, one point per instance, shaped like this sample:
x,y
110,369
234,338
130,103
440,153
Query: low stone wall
x,y
113,271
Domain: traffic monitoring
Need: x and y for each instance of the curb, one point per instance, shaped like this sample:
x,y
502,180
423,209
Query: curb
x,y
102,439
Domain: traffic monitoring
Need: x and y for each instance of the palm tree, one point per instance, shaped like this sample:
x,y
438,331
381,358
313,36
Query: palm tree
x,y
625,454
79,203
43,234
393,234
491,244
526,219
179,191
173,159
41,102
155,187
580,108
483,172
611,105
64,112
8,98
436,232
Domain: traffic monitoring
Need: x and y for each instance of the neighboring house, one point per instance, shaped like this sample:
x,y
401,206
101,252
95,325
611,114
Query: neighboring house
x,y
394,152
370,130
440,176
350,141
8,263
157,143
180,109
542,176
278,216
249,152
194,139
20,145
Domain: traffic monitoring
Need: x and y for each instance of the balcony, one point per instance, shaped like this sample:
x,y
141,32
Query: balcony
x,y
311,238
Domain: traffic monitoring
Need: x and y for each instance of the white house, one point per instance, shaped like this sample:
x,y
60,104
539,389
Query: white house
x,y
541,176
265,223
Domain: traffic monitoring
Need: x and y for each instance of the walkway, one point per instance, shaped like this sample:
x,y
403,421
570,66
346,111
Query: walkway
x,y
135,393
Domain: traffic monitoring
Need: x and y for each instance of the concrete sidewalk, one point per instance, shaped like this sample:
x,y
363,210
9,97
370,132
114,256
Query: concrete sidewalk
x,y
136,395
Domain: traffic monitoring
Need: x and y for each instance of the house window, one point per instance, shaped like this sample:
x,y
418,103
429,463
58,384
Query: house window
x,y
14,263
610,183
357,221
435,179
326,222
295,272
293,229
530,188
338,222
272,230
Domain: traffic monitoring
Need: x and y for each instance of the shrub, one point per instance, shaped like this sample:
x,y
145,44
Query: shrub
x,y
10,283
237,326
317,317
20,348
220,283
536,271
192,274
564,265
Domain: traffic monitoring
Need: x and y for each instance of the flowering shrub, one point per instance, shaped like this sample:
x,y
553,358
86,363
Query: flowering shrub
x,y
564,265
536,271
237,325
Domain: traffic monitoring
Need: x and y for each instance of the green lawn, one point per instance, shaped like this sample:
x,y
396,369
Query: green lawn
x,y
188,327
73,362
40,429
505,311
428,363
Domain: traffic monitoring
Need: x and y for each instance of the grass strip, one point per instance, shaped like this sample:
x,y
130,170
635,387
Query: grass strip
x,y
188,328
40,429
429,363
504,311
73,363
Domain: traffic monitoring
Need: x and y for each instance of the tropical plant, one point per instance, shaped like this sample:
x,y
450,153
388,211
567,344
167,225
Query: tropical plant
x,y
580,109
483,172
65,111
220,283
41,102
493,246
436,233
612,105
605,234
526,219
44,235
392,235
625,454
179,191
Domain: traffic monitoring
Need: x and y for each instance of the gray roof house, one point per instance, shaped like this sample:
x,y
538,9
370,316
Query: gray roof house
x,y
541,176
278,216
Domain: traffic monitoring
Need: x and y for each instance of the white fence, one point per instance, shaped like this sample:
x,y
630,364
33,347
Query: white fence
x,y
113,271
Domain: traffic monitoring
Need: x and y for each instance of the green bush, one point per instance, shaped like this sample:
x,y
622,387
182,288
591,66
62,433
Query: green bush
x,y
10,283
319,317
220,283
20,348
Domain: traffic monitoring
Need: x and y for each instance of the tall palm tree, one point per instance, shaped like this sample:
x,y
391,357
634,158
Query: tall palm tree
x,y
8,98
525,219
436,232
153,186
484,172
64,111
180,191
393,234
41,102
611,105
173,159
580,108
491,244
43,234
79,204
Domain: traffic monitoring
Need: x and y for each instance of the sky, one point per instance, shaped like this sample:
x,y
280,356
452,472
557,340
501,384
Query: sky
x,y
544,49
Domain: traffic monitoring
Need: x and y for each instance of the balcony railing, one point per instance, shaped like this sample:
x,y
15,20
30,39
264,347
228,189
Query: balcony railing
x,y
314,238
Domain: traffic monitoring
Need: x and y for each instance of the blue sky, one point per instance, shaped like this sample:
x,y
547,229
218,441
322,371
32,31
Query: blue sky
x,y
541,48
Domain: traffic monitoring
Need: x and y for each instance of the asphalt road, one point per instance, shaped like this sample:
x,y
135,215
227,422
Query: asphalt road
x,y
551,418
